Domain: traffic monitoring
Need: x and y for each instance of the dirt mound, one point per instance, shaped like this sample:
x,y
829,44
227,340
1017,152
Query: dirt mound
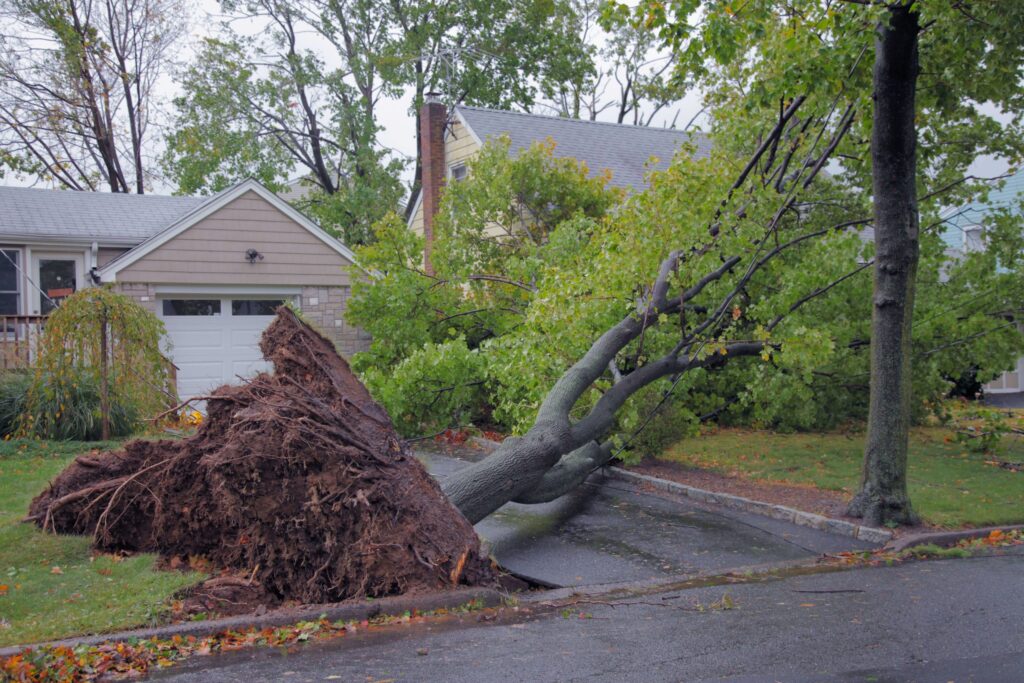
x,y
298,477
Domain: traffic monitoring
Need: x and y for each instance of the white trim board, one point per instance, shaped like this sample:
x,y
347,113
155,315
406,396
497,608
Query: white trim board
x,y
108,273
415,208
227,290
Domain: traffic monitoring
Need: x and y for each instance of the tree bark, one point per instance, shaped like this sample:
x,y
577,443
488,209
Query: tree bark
x,y
882,497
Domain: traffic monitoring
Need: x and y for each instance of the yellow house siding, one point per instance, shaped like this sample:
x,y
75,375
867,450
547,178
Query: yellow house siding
x,y
213,251
416,224
459,147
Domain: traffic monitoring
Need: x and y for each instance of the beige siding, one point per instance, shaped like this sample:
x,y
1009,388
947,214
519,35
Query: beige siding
x,y
459,147
106,255
213,251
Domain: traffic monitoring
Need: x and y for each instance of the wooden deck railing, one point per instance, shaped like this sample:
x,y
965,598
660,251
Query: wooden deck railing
x,y
19,335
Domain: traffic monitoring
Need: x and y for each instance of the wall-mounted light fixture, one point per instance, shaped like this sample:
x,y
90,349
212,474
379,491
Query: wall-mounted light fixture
x,y
252,256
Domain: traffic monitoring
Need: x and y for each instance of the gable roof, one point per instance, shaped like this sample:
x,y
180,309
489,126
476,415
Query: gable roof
x,y
210,205
109,218
622,149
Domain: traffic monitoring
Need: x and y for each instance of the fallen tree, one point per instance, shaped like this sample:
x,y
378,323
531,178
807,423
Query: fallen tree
x,y
696,292
300,478
297,477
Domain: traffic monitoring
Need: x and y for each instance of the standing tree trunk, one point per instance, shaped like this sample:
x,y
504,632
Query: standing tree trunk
x,y
883,492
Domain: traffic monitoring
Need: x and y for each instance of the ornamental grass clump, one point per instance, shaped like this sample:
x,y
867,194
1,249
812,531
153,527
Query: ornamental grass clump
x,y
13,389
99,371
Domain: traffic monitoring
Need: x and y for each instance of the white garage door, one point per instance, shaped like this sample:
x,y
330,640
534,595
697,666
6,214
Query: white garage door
x,y
214,341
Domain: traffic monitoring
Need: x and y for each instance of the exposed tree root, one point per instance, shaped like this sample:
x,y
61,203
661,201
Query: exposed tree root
x,y
297,477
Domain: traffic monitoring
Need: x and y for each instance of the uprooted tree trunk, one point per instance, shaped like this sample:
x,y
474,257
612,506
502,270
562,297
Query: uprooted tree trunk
x,y
298,477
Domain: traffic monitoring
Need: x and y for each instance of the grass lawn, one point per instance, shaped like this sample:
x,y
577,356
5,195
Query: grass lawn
x,y
949,487
51,586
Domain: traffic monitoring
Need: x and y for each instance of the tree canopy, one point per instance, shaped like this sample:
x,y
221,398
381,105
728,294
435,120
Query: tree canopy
x,y
510,308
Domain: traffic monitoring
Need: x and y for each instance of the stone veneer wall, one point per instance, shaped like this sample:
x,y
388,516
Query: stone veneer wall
x,y
143,293
325,308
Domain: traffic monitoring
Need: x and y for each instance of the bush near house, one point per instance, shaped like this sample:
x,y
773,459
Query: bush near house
x,y
95,336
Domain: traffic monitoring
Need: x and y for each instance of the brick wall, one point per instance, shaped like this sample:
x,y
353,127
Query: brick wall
x,y
433,117
325,308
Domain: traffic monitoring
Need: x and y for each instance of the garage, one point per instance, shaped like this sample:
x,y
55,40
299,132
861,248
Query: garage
x,y
215,275
214,340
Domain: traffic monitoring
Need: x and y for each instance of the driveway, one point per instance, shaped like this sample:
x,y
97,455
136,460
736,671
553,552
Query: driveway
x,y
608,531
1005,400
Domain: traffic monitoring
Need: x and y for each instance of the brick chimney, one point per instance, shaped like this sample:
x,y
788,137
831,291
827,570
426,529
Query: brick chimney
x,y
433,117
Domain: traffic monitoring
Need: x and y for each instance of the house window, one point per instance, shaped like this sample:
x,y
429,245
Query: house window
x,y
255,306
457,172
974,239
57,282
191,306
9,281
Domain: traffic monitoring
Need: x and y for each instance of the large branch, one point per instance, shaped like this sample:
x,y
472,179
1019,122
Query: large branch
x,y
568,473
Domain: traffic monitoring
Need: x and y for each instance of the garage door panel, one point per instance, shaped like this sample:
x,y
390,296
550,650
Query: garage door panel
x,y
192,340
246,341
212,350
197,386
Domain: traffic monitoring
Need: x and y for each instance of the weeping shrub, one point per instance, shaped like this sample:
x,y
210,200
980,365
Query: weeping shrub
x,y
64,397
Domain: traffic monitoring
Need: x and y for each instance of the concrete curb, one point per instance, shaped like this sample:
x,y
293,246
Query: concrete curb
x,y
944,538
356,611
704,579
786,514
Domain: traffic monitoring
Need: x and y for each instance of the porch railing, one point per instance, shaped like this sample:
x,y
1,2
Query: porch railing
x,y
19,336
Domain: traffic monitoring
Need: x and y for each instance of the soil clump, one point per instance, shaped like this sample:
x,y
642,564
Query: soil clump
x,y
296,478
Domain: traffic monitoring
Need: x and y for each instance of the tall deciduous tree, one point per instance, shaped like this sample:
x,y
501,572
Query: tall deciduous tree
x,y
943,73
629,77
280,104
77,88
883,491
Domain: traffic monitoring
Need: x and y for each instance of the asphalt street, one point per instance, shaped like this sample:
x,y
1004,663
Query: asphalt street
x,y
939,621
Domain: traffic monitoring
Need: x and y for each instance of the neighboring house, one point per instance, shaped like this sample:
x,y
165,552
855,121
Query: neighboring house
x,y
212,268
966,232
449,142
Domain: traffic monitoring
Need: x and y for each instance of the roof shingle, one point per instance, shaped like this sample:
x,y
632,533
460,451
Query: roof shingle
x,y
100,216
622,149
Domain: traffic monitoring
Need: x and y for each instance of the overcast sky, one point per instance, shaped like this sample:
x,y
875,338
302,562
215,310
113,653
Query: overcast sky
x,y
398,126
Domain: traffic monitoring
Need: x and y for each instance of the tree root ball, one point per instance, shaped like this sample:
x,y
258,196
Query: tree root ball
x,y
297,476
